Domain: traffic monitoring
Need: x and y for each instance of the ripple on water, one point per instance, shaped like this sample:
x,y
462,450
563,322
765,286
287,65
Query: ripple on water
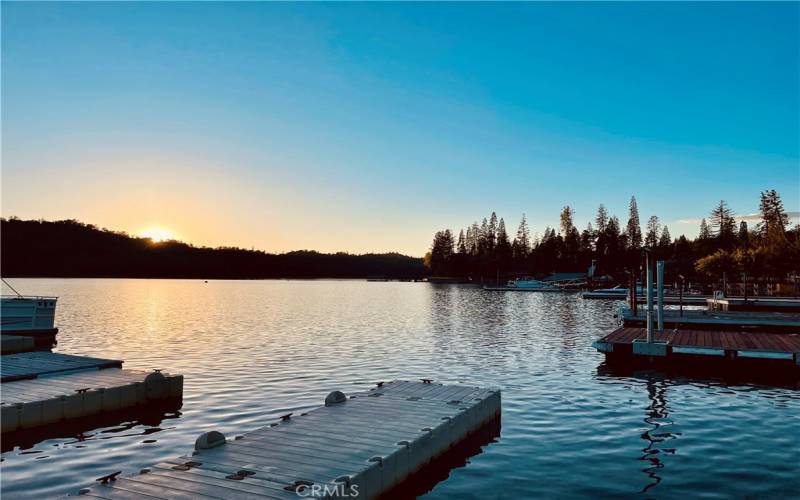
x,y
254,350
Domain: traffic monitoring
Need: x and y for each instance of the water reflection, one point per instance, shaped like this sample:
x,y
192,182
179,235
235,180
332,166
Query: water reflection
x,y
110,425
657,416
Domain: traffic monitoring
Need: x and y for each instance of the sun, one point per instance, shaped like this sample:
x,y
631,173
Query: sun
x,y
157,234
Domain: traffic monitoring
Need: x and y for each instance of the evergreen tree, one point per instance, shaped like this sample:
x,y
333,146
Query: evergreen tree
x,y
503,249
491,236
723,225
441,252
462,245
566,220
653,227
522,243
601,219
483,238
773,216
744,235
704,231
633,229
666,238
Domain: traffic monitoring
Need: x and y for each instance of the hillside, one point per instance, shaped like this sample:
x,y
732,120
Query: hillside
x,y
72,249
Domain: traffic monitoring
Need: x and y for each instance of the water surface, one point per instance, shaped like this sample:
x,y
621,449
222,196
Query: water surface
x,y
254,350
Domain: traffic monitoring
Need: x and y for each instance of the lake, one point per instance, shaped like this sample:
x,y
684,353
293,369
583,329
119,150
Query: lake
x,y
254,350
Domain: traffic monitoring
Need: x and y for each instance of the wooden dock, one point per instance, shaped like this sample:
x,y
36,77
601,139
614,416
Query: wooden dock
x,y
776,349
722,320
763,304
360,446
45,388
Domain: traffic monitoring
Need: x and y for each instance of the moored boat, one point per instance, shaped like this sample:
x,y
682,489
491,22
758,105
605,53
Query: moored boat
x,y
27,315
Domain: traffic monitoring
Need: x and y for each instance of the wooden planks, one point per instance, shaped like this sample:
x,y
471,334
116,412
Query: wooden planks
x,y
713,339
34,364
360,447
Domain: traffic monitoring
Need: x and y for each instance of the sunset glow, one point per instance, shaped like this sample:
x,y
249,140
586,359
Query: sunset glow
x,y
158,234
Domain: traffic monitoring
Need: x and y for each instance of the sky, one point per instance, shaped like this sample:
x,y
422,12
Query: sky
x,y
369,126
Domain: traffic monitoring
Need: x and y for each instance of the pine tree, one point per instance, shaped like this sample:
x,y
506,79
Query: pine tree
x,y
441,251
483,238
653,227
704,231
744,234
773,216
601,219
666,238
491,236
633,229
522,242
723,225
462,246
566,220
502,236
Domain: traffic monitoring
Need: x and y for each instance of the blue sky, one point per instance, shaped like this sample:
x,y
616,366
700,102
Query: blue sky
x,y
367,127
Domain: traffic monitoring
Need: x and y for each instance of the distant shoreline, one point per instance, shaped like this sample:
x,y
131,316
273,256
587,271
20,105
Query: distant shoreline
x,y
71,249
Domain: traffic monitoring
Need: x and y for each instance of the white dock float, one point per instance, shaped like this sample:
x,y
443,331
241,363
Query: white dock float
x,y
356,447
44,388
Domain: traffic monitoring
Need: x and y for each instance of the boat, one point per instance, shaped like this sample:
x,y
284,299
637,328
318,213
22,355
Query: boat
x,y
525,285
617,292
27,315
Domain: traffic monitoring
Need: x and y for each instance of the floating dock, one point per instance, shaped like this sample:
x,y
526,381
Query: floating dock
x,y
763,304
627,344
361,446
12,344
699,319
45,388
523,289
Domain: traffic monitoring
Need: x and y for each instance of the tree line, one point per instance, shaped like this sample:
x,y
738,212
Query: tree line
x,y
69,248
483,250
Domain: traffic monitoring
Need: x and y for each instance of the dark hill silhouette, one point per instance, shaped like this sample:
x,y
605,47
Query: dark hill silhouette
x,y
69,248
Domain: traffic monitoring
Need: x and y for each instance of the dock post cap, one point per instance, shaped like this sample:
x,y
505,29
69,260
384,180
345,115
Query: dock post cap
x,y
209,440
335,397
343,479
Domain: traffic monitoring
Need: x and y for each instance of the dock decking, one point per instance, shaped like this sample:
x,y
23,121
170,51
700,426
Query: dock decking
x,y
359,447
43,388
781,350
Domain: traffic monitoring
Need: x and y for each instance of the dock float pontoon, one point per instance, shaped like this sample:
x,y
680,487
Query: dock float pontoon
x,y
360,446
45,388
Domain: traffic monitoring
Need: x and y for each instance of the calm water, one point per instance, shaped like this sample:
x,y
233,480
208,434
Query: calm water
x,y
253,350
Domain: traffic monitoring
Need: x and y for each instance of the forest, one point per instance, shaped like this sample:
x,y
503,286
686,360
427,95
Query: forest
x,y
770,249
69,248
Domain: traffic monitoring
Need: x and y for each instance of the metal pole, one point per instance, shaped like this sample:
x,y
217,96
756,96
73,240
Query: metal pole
x,y
681,296
744,277
660,277
649,300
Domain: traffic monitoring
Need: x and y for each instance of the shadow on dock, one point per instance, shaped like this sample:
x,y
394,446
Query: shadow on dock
x,y
439,469
81,429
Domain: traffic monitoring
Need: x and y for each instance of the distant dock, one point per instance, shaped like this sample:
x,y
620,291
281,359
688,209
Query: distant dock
x,y
719,320
361,446
675,347
46,388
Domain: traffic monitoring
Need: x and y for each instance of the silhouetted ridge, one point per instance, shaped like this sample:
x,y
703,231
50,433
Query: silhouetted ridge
x,y
72,249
